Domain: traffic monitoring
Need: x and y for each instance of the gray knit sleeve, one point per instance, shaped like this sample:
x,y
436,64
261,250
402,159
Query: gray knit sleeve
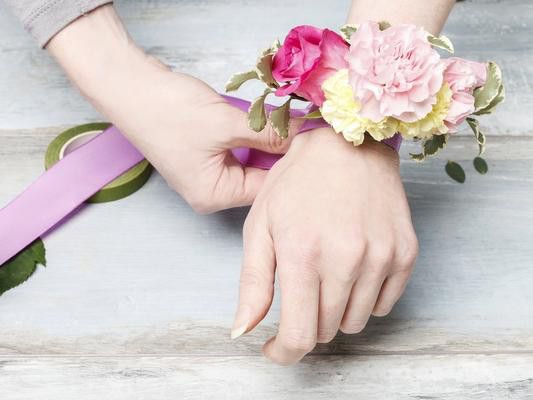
x,y
44,18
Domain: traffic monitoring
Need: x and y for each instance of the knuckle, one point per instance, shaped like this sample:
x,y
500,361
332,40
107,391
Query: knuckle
x,y
409,254
299,341
274,141
352,257
307,253
200,205
381,255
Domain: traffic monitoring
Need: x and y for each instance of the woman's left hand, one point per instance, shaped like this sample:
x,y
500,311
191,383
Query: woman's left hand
x,y
334,222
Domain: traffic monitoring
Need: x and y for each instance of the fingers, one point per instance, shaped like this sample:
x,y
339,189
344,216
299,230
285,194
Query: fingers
x,y
240,134
234,186
361,303
334,296
299,315
395,284
391,291
366,289
257,276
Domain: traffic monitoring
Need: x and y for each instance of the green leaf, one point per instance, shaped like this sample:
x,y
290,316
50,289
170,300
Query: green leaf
x,y
347,31
480,137
279,118
313,115
256,113
264,65
455,171
433,145
417,156
18,269
237,80
441,42
430,147
500,97
485,95
481,165
384,25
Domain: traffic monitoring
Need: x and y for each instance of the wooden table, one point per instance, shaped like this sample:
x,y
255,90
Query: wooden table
x,y
138,296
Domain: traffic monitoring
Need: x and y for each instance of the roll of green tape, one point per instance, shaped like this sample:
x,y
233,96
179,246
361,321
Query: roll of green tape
x,y
126,184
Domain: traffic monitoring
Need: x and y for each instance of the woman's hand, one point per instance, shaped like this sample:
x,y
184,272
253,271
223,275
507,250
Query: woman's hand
x,y
334,222
181,125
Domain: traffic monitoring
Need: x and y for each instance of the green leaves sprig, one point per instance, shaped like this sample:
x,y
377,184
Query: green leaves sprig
x,y
257,115
22,266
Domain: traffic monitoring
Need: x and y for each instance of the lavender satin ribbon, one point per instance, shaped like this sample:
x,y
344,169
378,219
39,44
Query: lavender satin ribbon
x,y
59,191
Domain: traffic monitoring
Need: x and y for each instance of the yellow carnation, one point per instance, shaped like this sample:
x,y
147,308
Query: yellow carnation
x,y
433,123
341,111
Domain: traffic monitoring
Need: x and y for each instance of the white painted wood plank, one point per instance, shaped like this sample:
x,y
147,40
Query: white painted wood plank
x,y
464,377
187,35
147,276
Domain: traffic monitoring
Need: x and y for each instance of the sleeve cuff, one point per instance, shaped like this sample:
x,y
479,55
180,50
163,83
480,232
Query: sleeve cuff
x,y
44,22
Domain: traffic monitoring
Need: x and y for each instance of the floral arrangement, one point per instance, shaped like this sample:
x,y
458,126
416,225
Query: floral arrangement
x,y
379,80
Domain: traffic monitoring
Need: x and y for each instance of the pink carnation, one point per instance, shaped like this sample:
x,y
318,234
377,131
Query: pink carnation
x,y
463,77
394,72
307,58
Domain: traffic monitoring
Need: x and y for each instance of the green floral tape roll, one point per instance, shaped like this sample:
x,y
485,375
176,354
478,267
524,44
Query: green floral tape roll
x,y
126,184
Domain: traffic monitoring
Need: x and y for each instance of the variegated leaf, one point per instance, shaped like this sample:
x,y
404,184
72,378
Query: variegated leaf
x,y
436,143
237,80
347,31
500,97
417,156
264,66
256,113
313,115
485,95
279,118
480,137
384,25
441,42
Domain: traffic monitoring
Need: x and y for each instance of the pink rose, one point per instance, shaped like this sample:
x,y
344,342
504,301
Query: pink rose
x,y
463,77
307,58
395,72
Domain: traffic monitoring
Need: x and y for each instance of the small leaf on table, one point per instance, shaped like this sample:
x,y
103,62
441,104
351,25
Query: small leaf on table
x,y
18,269
455,171
481,165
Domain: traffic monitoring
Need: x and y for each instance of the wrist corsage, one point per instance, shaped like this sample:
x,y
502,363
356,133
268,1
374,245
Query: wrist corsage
x,y
378,80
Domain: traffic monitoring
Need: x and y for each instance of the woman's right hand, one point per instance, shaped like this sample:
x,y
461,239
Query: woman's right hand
x,y
181,125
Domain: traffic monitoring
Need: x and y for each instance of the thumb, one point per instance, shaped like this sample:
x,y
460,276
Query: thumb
x,y
267,140
257,276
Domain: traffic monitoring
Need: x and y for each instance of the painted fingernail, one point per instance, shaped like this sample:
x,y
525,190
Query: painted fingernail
x,y
242,320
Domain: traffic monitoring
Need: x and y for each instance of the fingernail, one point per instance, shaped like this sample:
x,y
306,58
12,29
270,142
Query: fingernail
x,y
242,320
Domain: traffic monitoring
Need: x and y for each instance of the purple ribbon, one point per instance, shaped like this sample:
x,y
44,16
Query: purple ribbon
x,y
59,191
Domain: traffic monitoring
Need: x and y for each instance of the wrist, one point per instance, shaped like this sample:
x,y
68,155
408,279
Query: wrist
x,y
333,146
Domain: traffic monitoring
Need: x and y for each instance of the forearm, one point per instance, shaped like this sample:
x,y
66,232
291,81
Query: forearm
x,y
101,59
430,14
